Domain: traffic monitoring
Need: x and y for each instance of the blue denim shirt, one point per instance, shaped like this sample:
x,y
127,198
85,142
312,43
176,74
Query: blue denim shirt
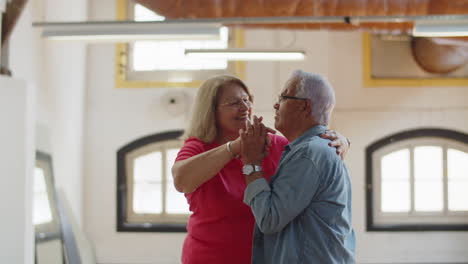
x,y
304,214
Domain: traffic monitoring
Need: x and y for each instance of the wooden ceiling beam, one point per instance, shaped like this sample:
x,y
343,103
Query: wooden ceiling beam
x,y
12,13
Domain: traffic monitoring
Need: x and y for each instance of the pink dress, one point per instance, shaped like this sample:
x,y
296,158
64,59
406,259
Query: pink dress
x,y
220,229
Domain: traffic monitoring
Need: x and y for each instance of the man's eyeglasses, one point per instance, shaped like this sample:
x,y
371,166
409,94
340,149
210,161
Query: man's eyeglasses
x,y
238,103
282,98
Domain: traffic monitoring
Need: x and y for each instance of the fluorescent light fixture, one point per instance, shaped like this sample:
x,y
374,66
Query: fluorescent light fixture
x,y
440,28
246,54
124,31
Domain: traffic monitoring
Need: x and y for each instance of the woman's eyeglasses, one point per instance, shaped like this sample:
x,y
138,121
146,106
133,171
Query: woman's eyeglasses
x,y
282,98
238,103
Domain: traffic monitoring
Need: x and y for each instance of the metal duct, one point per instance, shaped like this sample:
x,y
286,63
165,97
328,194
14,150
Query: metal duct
x,y
438,58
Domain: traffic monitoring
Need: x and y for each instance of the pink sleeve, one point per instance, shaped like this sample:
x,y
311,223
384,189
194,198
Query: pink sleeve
x,y
192,146
278,142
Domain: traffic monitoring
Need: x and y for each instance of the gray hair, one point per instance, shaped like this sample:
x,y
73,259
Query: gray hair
x,y
318,90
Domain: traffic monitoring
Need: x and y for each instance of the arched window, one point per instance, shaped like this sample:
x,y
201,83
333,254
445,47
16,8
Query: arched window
x,y
418,180
146,197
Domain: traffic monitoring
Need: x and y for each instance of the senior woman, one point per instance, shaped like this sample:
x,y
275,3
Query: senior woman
x,y
208,171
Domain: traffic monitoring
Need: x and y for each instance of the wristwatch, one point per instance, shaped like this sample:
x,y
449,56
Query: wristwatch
x,y
248,169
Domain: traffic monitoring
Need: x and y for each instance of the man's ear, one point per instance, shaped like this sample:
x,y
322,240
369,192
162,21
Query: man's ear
x,y
307,107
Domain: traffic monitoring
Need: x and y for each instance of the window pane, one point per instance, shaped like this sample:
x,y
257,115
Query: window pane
x,y
42,211
39,180
396,165
171,155
428,185
170,55
395,182
395,196
175,201
428,196
148,168
458,180
458,196
428,163
142,13
457,164
147,198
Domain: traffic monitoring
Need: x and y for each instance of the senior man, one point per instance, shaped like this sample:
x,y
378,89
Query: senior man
x,y
303,215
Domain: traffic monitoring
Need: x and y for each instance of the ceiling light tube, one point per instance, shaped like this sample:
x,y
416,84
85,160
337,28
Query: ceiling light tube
x,y
127,31
434,28
246,54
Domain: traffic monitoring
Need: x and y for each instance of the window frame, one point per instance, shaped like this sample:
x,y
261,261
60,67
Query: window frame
x,y
236,39
395,142
49,230
126,222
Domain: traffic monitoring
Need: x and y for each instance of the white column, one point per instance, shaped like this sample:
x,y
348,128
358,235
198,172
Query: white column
x,y
66,80
16,171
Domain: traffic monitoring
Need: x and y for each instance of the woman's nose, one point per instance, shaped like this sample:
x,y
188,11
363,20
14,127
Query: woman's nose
x,y
276,106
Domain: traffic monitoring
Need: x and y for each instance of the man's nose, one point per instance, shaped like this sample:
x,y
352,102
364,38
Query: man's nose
x,y
276,106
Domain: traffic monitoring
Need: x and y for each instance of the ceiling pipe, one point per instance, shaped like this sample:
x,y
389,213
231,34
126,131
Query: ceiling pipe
x,y
355,21
274,20
372,24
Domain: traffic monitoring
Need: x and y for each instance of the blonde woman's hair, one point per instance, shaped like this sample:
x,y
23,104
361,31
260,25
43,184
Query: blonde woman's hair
x,y
203,122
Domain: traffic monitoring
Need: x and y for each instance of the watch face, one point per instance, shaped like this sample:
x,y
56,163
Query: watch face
x,y
247,169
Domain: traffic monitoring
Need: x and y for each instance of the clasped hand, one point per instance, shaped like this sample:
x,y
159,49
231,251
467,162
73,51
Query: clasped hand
x,y
254,141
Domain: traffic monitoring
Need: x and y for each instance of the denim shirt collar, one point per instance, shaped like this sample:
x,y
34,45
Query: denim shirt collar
x,y
313,131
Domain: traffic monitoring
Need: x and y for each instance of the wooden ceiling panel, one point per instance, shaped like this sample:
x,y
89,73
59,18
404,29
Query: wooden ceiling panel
x,y
455,7
316,8
262,8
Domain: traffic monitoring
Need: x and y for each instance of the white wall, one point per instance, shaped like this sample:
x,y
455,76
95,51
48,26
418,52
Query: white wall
x,y
65,81
17,163
58,71
114,118
18,105
27,62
